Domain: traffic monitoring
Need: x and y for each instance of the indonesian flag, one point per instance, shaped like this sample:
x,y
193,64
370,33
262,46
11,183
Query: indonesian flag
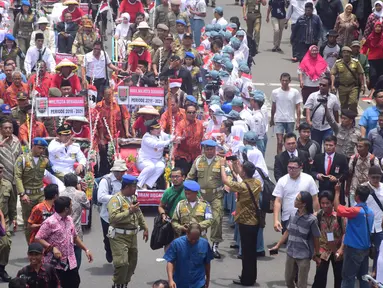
x,y
246,77
151,6
104,7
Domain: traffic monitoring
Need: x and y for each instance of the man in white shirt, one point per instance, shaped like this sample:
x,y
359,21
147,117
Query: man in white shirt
x,y
287,189
218,17
37,53
375,203
109,185
198,13
94,67
286,102
63,153
49,35
258,122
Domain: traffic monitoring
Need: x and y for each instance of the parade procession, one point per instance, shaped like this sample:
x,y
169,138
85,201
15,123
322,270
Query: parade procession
x,y
191,143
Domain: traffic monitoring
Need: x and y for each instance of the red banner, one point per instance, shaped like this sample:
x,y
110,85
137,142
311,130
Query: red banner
x,y
62,56
149,197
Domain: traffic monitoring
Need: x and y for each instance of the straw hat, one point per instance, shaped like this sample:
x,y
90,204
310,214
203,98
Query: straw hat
x,y
149,110
77,118
69,2
139,42
66,63
119,166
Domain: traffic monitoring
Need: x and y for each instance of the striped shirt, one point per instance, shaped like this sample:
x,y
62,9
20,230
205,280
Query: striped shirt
x,y
302,230
8,155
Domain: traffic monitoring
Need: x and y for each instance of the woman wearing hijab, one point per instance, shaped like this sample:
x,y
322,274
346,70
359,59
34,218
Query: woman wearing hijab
x,y
215,122
374,47
347,27
310,70
9,49
375,16
122,31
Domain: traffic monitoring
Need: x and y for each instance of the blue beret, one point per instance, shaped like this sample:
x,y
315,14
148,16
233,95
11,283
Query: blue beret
x,y
250,136
180,21
40,142
10,37
210,143
191,98
129,179
191,185
26,3
5,108
190,55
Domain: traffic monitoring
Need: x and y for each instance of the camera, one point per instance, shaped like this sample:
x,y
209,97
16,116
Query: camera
x,y
232,158
54,262
322,100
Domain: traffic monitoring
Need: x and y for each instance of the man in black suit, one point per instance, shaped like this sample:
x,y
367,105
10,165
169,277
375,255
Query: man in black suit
x,y
176,69
145,77
330,167
67,31
281,160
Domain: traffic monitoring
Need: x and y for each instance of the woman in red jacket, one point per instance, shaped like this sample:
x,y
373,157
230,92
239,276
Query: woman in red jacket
x,y
374,48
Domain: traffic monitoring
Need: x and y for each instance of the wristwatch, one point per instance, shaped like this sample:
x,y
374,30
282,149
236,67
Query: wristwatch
x,y
22,194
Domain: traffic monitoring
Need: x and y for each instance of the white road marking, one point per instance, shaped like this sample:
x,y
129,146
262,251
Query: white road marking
x,y
275,84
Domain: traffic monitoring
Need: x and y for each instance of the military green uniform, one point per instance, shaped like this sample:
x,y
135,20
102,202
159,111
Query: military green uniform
x,y
162,59
22,31
209,178
147,38
197,60
12,54
161,15
124,242
19,115
348,83
8,201
254,19
29,180
185,214
83,44
173,17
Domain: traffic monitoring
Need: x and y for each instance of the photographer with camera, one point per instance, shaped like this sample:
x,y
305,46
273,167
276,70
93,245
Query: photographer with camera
x,y
37,274
316,112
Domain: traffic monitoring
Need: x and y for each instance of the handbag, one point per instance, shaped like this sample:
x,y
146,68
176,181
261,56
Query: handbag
x,y
372,251
267,204
261,216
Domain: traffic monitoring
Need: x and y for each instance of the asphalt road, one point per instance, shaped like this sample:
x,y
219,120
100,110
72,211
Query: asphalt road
x,y
266,74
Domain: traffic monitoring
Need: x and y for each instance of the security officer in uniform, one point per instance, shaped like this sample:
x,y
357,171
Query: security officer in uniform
x,y
207,170
144,32
29,174
125,221
19,113
191,210
8,208
253,17
351,80
347,134
181,52
176,14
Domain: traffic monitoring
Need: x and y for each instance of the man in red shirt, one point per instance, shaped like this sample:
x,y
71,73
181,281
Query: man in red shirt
x,y
132,7
66,71
145,113
80,128
77,13
44,81
139,52
17,86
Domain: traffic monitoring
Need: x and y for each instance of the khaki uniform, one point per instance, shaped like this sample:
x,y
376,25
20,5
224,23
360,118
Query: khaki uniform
x,y
83,44
209,178
22,31
147,38
8,201
162,59
124,242
348,83
185,214
172,18
254,19
19,115
161,15
29,180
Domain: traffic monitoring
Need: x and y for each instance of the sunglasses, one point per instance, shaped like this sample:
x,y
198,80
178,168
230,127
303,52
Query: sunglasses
x,y
191,113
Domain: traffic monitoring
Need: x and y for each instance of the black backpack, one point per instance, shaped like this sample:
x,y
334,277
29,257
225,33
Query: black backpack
x,y
267,204
95,189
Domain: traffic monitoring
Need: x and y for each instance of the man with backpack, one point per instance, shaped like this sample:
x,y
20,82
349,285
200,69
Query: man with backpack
x,y
109,185
358,167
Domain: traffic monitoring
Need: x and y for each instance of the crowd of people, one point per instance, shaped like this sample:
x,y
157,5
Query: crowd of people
x,y
204,147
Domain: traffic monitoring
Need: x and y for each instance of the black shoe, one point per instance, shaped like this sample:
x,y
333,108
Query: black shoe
x,y
216,254
212,5
235,246
109,257
274,50
239,282
4,276
279,49
261,254
239,256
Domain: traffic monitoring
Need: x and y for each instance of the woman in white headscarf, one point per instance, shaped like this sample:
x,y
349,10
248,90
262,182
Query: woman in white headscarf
x,y
121,34
215,121
375,16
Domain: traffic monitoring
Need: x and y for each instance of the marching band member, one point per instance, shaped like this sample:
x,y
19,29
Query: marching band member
x,y
63,153
150,157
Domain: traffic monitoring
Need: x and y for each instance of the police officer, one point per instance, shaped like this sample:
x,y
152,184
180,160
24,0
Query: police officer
x,y
176,14
19,113
351,80
29,174
8,209
191,210
253,17
207,170
125,221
